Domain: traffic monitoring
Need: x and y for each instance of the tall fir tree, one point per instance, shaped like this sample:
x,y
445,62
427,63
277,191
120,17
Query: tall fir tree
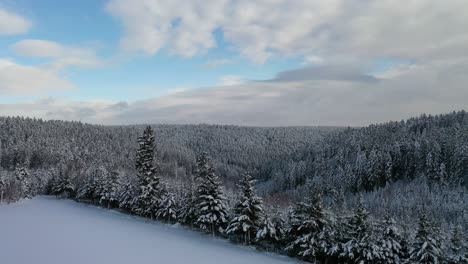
x,y
427,244
150,190
248,212
211,203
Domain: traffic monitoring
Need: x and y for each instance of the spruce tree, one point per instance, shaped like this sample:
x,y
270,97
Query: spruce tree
x,y
150,191
210,204
168,209
22,176
271,230
458,251
391,243
427,244
315,231
110,192
248,212
359,245
187,212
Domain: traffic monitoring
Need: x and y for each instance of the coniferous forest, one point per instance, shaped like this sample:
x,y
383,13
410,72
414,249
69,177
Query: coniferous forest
x,y
386,193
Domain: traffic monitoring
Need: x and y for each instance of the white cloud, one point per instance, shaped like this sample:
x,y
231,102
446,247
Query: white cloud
x,y
313,59
61,55
17,79
218,62
11,23
230,80
415,29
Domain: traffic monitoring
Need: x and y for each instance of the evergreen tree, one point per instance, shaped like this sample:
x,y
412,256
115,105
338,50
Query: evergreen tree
x,y
187,212
168,208
359,245
316,237
111,190
63,187
150,191
391,244
22,176
248,212
271,230
127,196
210,204
427,244
458,251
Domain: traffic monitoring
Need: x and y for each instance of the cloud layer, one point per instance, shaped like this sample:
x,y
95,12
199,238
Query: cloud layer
x,y
435,88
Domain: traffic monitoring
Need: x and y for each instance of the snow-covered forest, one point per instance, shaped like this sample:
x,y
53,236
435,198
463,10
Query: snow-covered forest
x,y
387,193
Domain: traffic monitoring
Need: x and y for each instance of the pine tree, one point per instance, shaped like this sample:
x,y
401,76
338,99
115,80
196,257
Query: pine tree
x,y
22,176
110,192
315,228
210,204
168,208
150,190
391,243
63,187
427,245
187,212
271,230
3,186
359,245
248,212
127,196
458,251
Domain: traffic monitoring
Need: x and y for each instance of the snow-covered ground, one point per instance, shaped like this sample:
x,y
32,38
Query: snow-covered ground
x,y
45,230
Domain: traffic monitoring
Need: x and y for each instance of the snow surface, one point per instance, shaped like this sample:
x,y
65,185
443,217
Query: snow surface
x,y
45,230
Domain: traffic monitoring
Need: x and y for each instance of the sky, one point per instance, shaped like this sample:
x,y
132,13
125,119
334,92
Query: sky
x,y
242,62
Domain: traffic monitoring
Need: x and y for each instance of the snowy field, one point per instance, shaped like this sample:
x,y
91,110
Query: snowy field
x,y
45,230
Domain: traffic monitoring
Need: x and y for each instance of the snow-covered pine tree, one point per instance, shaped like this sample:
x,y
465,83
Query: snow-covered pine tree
x,y
92,188
168,208
248,212
210,203
316,233
63,187
187,212
111,190
3,186
391,242
427,244
127,195
458,251
359,245
271,230
150,190
22,176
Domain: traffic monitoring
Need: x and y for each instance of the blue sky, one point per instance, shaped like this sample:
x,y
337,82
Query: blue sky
x,y
283,62
125,76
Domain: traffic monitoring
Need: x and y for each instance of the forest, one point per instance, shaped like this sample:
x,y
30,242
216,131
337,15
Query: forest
x,y
386,193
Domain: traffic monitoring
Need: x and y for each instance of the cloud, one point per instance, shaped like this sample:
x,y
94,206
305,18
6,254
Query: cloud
x,y
62,56
12,24
418,29
218,62
331,72
17,79
435,88
229,80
